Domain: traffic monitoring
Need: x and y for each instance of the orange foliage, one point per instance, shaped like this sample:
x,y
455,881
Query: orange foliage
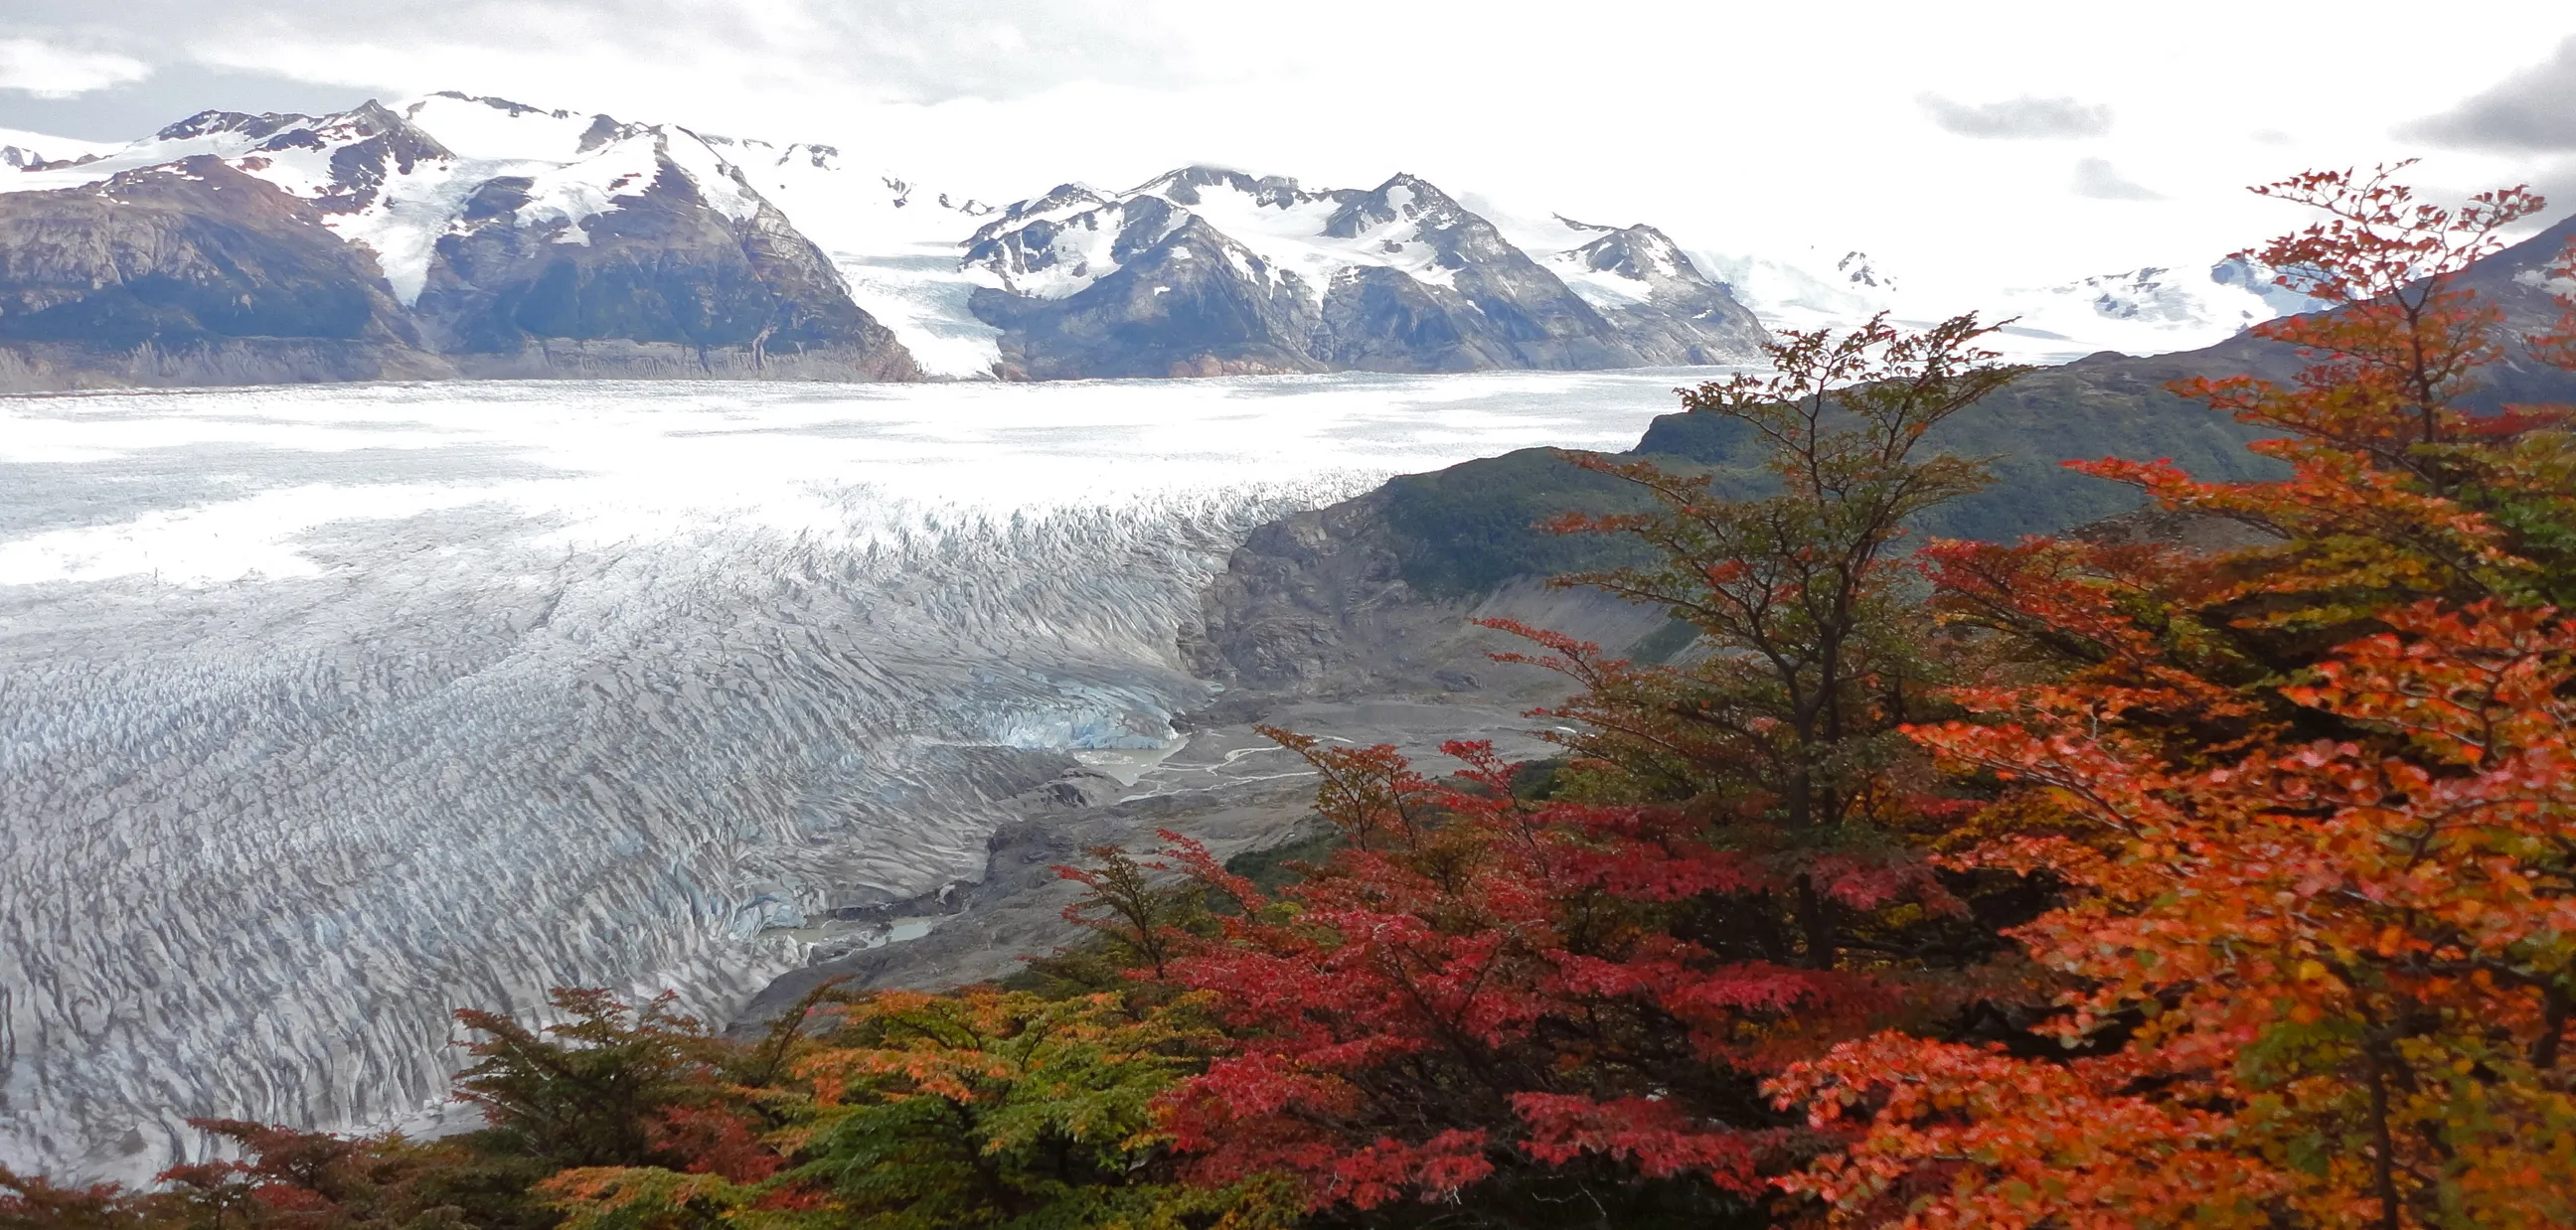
x,y
2314,804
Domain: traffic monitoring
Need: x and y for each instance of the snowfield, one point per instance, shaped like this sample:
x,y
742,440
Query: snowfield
x,y
325,710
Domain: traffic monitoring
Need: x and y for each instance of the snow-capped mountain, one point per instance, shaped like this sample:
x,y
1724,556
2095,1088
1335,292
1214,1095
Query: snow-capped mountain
x,y
488,237
2152,308
1207,270
399,182
1638,275
2148,310
511,241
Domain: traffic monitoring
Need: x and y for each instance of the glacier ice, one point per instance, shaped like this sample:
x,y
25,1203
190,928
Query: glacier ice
x,y
326,710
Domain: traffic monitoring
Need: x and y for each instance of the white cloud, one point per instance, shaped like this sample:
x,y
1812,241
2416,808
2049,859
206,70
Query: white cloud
x,y
2097,178
53,72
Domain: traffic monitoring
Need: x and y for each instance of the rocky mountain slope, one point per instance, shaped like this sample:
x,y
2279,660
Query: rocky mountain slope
x,y
195,272
515,241
1638,277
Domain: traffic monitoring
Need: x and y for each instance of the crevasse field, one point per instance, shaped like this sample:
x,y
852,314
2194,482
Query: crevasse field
x,y
325,710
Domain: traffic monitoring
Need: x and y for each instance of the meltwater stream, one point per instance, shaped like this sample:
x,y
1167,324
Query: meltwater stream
x,y
326,710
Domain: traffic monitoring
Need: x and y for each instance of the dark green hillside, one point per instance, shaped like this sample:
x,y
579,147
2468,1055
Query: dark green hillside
x,y
1471,527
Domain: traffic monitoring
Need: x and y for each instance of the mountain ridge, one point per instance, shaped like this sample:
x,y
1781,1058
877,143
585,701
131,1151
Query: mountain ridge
x,y
519,241
772,260
1399,277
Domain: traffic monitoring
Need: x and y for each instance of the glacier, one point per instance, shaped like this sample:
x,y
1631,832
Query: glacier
x,y
325,710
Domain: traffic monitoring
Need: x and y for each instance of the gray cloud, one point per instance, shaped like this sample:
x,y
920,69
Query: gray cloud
x,y
922,51
2097,178
2025,118
2534,109
124,112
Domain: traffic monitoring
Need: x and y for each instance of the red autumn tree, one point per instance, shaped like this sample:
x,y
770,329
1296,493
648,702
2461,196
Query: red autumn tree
x,y
1558,1011
2314,801
1472,1004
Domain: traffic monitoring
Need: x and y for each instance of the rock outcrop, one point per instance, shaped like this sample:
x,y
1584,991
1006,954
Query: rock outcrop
x,y
1317,604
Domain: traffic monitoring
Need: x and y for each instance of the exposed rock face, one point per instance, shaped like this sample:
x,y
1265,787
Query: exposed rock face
x,y
1284,612
192,273
1208,271
1316,605
362,246
368,148
2524,278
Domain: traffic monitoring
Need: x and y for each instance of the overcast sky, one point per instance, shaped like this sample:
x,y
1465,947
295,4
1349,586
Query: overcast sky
x,y
1967,143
